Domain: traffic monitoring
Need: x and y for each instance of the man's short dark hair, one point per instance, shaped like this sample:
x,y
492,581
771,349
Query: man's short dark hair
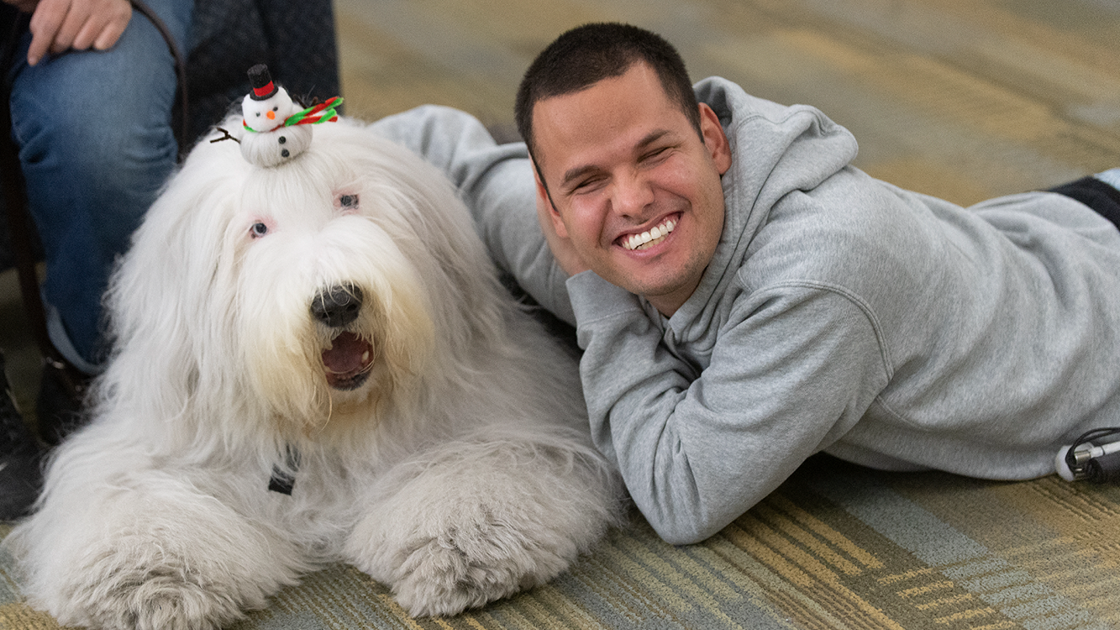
x,y
590,53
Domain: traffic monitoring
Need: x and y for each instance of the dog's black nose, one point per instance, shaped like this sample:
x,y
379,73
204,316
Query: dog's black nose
x,y
338,305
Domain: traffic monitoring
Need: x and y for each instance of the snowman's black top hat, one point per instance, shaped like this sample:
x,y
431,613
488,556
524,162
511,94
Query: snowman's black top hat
x,y
261,82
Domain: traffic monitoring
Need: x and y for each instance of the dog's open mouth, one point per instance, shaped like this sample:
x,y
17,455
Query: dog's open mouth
x,y
347,361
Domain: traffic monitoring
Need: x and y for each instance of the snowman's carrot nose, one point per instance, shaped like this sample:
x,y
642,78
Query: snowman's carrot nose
x,y
271,115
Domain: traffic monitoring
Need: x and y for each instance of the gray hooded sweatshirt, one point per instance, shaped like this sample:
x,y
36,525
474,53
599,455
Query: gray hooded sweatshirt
x,y
839,314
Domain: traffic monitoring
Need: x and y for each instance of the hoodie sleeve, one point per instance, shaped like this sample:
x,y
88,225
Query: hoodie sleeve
x,y
697,450
496,182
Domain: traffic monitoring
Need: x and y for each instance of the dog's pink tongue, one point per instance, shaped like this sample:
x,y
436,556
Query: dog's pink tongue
x,y
347,354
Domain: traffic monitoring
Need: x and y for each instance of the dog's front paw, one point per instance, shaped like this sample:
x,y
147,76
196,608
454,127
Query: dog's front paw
x,y
480,522
474,561
166,569
164,597
467,558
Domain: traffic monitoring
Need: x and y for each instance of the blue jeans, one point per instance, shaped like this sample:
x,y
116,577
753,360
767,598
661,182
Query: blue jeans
x,y
95,144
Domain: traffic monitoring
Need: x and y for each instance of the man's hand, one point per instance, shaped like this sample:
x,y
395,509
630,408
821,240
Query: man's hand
x,y
553,227
59,25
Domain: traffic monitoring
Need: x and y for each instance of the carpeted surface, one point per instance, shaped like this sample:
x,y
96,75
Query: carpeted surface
x,y
837,547
964,99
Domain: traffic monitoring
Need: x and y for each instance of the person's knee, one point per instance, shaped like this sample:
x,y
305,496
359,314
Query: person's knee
x,y
101,117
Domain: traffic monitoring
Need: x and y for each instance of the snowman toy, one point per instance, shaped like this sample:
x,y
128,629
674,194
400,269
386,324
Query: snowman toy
x,y
274,130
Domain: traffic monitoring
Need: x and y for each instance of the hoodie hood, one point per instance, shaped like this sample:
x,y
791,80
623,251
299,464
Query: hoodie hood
x,y
775,150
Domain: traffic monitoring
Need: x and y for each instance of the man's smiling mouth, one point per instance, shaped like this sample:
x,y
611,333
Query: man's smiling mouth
x,y
649,238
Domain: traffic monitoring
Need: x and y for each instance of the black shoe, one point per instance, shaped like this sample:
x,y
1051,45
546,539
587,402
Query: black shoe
x,y
21,475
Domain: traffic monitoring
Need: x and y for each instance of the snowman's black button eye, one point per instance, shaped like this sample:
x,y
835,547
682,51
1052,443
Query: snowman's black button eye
x,y
276,108
258,230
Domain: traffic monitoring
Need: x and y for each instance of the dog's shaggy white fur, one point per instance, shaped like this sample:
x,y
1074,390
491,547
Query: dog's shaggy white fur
x,y
334,320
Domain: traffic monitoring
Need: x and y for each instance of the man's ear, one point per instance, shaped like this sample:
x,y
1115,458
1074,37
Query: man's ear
x,y
715,139
545,205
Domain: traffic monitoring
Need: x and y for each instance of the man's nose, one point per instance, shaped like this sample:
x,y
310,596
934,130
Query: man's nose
x,y
632,194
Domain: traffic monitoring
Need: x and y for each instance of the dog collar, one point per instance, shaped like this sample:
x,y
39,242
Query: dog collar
x,y
283,480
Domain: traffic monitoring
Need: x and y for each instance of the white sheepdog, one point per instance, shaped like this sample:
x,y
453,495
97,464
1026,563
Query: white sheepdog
x,y
332,328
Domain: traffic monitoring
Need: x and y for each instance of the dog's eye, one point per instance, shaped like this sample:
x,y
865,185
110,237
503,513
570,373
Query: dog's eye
x,y
348,201
258,230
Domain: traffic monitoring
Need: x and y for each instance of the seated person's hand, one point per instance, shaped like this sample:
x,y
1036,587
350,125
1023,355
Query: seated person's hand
x,y
59,25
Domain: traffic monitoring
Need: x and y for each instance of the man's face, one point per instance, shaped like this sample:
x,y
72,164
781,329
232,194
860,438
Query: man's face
x,y
636,190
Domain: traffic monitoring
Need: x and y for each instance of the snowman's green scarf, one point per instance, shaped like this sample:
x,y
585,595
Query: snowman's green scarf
x,y
326,111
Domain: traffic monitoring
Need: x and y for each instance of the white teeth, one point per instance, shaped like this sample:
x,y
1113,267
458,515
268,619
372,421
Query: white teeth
x,y
655,234
365,357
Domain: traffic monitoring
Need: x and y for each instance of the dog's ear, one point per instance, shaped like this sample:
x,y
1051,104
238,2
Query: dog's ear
x,y
466,279
165,283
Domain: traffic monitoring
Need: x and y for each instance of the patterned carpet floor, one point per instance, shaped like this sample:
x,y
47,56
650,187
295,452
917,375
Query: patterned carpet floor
x,y
837,547
964,99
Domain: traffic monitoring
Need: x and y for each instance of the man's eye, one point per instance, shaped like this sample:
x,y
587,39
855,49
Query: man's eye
x,y
587,185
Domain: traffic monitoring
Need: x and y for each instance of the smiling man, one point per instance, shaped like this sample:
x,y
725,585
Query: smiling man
x,y
746,298
640,181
